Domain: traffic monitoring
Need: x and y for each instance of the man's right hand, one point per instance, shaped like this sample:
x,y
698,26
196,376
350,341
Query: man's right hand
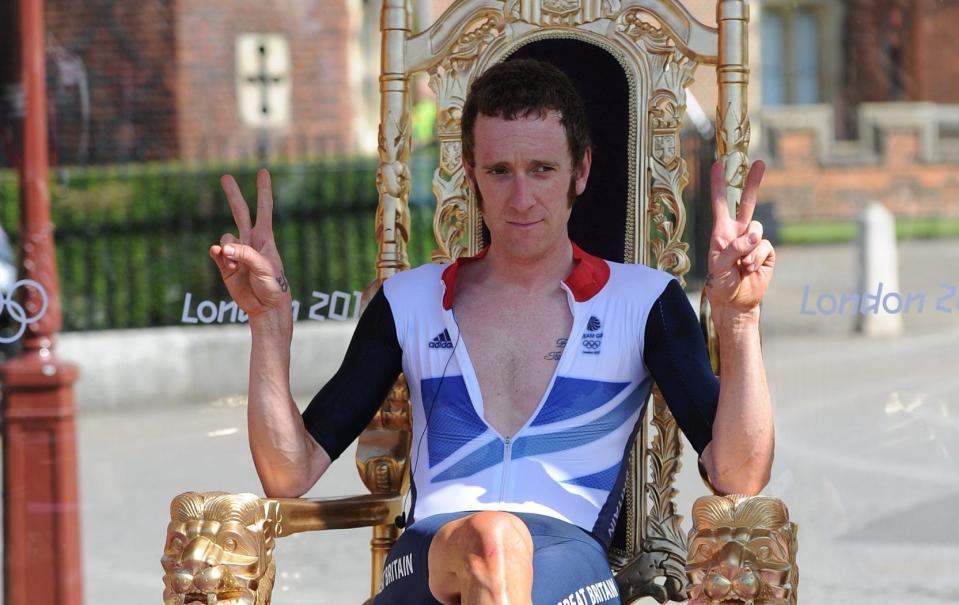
x,y
250,265
288,461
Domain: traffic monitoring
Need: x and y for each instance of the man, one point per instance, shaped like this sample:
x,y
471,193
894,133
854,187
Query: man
x,y
517,487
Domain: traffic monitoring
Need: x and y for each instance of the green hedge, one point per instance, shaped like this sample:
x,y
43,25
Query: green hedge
x,y
132,240
834,232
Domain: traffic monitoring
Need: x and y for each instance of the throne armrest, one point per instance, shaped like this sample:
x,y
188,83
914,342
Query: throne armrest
x,y
219,546
317,514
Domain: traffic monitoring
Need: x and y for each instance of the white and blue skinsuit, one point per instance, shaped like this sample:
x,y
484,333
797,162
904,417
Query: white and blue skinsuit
x,y
564,471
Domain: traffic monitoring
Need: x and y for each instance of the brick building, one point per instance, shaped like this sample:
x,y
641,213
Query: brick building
x,y
133,80
851,101
859,103
901,50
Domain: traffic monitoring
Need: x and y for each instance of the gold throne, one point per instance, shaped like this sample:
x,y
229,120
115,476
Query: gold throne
x,y
632,60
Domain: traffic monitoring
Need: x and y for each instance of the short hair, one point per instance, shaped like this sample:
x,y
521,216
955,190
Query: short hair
x,y
522,87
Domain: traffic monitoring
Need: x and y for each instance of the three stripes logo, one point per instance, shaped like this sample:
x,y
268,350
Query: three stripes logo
x,y
441,341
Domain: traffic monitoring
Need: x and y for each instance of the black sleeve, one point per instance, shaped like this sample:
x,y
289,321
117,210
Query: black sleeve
x,y
347,403
675,353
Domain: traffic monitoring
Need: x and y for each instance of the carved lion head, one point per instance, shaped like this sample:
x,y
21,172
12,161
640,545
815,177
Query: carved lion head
x,y
742,550
219,550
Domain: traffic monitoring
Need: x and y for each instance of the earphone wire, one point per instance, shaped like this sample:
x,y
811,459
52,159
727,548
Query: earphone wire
x,y
400,520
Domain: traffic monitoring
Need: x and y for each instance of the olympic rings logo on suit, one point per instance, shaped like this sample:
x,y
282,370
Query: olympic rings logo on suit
x,y
16,310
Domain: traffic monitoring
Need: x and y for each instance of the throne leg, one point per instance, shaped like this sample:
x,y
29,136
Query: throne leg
x,y
384,537
742,549
219,549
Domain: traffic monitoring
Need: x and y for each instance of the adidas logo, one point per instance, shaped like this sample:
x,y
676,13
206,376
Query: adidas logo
x,y
442,341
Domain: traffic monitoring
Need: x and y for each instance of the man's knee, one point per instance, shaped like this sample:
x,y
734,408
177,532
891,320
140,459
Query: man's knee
x,y
484,553
484,537
492,533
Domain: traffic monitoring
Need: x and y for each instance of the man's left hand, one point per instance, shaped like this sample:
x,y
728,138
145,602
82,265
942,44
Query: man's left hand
x,y
740,260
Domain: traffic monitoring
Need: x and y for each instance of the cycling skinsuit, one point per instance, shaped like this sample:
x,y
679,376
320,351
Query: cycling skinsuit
x,y
631,325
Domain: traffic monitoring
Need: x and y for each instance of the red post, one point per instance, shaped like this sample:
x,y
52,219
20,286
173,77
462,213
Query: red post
x,y
40,513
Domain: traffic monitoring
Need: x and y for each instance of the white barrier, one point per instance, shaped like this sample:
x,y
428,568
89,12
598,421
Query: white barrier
x,y
191,364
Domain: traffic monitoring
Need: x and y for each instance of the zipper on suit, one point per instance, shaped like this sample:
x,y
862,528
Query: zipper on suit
x,y
507,454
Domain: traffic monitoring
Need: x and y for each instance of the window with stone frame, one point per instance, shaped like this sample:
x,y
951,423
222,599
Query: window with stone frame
x,y
799,42
263,79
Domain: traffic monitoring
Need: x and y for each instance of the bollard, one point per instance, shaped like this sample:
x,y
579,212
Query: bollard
x,y
878,273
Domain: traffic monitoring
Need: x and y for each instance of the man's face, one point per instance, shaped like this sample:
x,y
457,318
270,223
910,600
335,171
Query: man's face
x,y
524,178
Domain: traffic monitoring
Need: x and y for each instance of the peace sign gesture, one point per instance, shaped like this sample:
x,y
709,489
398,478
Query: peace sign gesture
x,y
740,260
251,266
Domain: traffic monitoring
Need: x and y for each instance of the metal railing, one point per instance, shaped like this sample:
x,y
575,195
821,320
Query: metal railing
x,y
132,240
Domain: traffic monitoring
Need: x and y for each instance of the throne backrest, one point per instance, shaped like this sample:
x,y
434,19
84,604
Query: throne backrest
x,y
632,60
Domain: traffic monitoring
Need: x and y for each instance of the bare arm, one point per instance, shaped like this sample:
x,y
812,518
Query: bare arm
x,y
288,461
739,458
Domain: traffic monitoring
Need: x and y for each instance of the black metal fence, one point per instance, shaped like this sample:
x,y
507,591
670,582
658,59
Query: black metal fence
x,y
132,240
699,153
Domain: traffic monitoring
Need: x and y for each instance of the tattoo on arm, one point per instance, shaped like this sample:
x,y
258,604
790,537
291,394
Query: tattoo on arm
x,y
555,355
284,285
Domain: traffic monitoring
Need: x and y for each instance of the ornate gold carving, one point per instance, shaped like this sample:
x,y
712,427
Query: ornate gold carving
x,y
219,546
450,81
452,157
393,184
732,72
637,24
382,459
709,332
449,222
611,7
666,242
742,550
384,537
382,453
664,148
664,545
671,72
732,145
219,549
561,7
560,13
479,32
393,175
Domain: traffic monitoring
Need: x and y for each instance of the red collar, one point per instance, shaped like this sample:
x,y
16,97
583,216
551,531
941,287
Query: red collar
x,y
590,273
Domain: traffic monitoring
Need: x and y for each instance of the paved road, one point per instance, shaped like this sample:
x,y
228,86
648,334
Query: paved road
x,y
867,448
